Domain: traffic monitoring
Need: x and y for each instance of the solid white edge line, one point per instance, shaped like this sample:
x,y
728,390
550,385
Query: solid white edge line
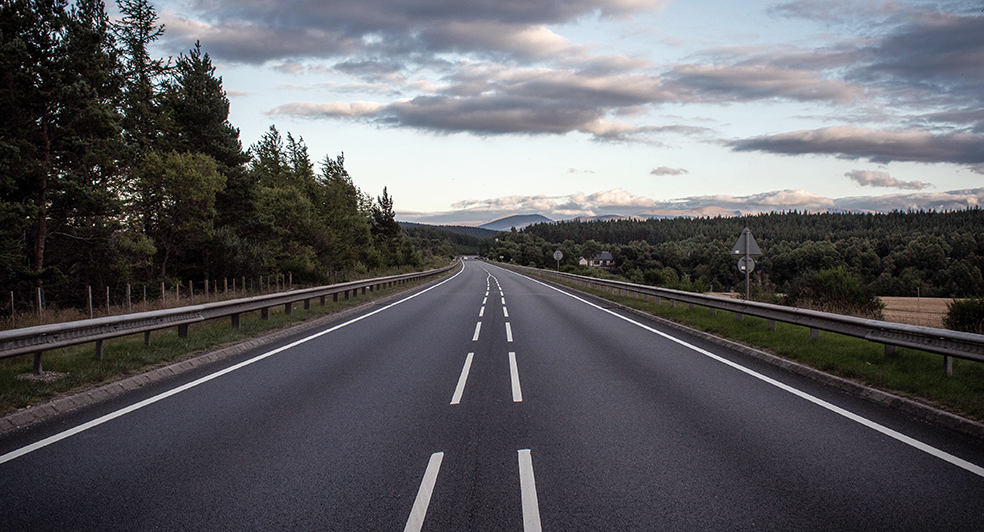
x,y
151,400
478,330
508,332
527,484
420,504
517,392
912,442
460,389
505,313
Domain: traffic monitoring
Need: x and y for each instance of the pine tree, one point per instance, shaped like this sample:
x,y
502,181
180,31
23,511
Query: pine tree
x,y
142,117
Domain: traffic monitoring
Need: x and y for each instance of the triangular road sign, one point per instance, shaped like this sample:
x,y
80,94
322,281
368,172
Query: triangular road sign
x,y
746,245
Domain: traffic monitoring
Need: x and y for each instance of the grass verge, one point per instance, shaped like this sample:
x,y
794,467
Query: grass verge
x,y
74,369
909,373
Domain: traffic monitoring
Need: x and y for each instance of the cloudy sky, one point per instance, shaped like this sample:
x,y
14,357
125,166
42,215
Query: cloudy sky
x,y
468,110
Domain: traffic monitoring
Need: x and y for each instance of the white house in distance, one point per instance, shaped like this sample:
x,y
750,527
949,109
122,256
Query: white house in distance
x,y
601,260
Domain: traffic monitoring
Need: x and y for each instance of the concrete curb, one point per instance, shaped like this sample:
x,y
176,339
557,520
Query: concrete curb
x,y
30,415
911,407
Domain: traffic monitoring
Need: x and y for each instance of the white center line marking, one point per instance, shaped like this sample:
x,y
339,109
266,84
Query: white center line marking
x,y
416,519
485,300
462,379
924,447
478,329
503,301
514,375
531,508
481,312
508,332
505,312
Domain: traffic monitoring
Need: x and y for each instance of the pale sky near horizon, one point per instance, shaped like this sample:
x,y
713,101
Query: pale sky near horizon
x,y
469,110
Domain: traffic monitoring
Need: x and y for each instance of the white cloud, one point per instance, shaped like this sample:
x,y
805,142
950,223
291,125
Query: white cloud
x,y
873,178
666,170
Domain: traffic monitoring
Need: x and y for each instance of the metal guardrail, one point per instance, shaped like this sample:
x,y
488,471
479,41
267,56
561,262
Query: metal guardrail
x,y
939,341
36,340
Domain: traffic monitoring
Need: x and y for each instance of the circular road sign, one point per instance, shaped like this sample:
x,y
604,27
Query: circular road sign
x,y
746,264
558,255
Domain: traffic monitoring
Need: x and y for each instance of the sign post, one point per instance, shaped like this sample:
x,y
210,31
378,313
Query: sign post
x,y
558,255
745,249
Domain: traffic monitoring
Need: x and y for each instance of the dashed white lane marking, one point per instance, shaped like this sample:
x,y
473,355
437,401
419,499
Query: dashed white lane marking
x,y
460,389
478,329
514,376
481,312
508,332
503,301
531,508
484,300
505,312
416,519
924,447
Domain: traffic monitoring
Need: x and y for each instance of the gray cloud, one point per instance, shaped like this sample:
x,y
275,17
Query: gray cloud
x,y
666,170
879,146
756,82
873,178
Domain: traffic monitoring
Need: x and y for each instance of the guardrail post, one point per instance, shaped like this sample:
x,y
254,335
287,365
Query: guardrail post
x,y
235,321
673,303
99,349
183,330
690,305
334,297
891,350
659,301
363,290
948,365
714,311
322,301
346,295
37,363
146,337
772,325
814,333
739,316
307,304
264,313
289,308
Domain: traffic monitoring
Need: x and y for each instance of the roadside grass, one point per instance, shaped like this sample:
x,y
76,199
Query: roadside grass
x,y
911,373
77,369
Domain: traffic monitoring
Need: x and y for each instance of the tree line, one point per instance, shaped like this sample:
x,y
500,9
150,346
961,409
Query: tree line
x,y
118,167
893,254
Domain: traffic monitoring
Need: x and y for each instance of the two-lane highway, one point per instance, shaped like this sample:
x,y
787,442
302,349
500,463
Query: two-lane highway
x,y
490,401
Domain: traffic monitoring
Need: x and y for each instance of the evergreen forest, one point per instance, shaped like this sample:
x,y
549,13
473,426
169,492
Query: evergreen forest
x,y
937,254
117,167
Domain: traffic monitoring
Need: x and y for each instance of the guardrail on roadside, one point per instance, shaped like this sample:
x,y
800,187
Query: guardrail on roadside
x,y
950,344
36,340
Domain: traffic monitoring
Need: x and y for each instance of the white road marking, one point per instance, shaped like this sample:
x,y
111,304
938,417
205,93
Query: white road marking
x,y
485,300
505,312
926,448
531,508
420,504
174,391
456,398
503,301
514,375
478,329
481,312
508,332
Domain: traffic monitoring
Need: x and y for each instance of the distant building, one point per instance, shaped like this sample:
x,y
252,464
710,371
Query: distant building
x,y
601,260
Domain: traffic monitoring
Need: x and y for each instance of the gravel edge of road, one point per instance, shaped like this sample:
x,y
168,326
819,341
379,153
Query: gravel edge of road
x,y
63,404
916,409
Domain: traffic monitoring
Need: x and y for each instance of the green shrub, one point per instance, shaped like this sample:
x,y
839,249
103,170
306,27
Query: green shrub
x,y
965,315
834,290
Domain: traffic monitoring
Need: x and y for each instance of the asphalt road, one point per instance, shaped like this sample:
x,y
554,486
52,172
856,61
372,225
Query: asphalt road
x,y
490,402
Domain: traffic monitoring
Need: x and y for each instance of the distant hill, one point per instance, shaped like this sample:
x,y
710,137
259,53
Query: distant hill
x,y
518,221
477,232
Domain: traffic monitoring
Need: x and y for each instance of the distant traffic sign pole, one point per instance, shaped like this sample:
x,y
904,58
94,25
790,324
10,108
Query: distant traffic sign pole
x,y
558,255
746,248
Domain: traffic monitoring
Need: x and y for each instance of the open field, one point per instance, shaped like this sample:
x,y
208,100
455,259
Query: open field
x,y
926,311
